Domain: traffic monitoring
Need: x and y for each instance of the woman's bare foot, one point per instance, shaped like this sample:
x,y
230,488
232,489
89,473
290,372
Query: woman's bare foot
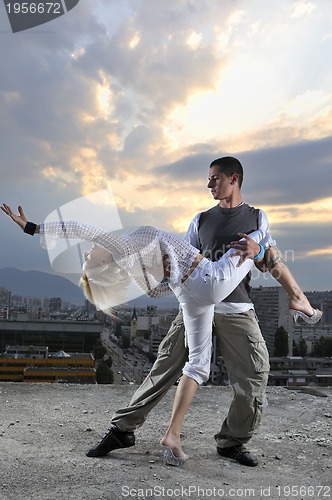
x,y
173,442
299,302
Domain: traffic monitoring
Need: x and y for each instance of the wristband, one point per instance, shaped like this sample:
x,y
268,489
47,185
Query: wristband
x,y
260,255
30,228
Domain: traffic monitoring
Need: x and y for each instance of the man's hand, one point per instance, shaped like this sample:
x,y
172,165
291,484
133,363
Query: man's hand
x,y
20,219
247,248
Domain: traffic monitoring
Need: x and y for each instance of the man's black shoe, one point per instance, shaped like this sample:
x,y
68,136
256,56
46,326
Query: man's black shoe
x,y
112,440
238,453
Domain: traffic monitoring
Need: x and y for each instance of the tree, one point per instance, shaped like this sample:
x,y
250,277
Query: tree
x,y
99,350
108,360
296,350
281,342
328,345
302,348
125,342
104,374
323,347
118,329
151,357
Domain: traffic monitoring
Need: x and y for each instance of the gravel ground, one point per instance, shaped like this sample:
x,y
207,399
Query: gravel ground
x,y
46,429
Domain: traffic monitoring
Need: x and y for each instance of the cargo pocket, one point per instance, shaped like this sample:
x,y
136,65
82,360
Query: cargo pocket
x,y
258,353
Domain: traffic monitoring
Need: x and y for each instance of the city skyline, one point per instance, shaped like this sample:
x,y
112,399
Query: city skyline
x,y
138,97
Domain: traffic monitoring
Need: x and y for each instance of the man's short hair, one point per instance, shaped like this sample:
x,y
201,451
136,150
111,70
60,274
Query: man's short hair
x,y
229,165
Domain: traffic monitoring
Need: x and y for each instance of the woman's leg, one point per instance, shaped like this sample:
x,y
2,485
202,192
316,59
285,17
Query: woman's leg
x,y
184,395
226,275
274,263
198,323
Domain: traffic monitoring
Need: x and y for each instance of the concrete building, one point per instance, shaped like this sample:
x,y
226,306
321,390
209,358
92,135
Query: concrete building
x,y
5,298
299,371
157,334
68,335
35,364
141,325
55,304
327,313
22,352
271,305
311,334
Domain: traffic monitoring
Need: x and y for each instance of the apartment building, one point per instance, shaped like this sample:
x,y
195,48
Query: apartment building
x,y
271,305
35,364
299,371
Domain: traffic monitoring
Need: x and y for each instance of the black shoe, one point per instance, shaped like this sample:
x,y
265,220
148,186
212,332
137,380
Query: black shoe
x,y
112,440
238,453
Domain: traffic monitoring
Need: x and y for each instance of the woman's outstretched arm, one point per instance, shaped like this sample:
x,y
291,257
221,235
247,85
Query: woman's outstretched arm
x,y
126,255
20,219
117,246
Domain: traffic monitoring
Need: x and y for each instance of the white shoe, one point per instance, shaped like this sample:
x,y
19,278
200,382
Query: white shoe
x,y
170,459
311,320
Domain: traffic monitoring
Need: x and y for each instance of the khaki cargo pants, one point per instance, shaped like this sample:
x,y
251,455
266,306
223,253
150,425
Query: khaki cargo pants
x,y
247,362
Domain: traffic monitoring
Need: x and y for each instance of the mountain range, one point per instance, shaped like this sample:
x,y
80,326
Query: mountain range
x,y
41,284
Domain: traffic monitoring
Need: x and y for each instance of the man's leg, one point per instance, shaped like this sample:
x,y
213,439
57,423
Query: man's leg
x,y
172,355
247,362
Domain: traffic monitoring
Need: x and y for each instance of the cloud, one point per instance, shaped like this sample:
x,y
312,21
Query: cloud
x,y
285,174
290,174
302,8
140,96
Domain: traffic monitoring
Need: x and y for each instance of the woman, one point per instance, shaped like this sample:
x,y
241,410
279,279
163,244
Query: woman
x,y
158,262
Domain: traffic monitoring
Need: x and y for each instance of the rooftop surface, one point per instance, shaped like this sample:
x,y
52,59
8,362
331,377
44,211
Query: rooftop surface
x,y
45,430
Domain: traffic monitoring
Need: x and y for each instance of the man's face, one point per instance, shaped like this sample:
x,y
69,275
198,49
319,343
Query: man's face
x,y
220,185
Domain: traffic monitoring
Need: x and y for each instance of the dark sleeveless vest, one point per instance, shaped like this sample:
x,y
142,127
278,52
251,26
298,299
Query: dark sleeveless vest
x,y
217,228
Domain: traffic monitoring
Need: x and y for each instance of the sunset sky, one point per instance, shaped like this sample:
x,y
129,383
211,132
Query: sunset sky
x,y
139,96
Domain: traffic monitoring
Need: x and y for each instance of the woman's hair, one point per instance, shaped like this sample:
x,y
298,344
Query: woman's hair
x,y
104,282
84,283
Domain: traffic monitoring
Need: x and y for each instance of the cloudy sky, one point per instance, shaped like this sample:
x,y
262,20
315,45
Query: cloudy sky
x,y
139,96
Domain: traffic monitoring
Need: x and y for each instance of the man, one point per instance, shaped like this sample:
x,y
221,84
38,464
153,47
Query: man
x,y
236,327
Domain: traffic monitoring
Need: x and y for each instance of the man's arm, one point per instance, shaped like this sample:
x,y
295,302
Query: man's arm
x,y
192,233
263,224
246,247
265,264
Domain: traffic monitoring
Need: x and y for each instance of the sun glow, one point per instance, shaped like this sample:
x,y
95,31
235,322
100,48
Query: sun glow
x,y
320,212
194,40
135,40
321,251
92,173
49,172
104,97
237,104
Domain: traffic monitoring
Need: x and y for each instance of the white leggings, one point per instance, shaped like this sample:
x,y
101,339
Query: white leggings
x,y
209,284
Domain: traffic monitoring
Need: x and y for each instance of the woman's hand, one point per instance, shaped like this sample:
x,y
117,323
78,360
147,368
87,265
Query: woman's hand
x,y
247,248
20,219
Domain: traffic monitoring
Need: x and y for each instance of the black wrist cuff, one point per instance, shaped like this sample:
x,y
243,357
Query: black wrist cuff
x,y
30,228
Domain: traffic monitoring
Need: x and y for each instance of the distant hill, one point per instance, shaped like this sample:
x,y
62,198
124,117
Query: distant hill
x,y
168,302
40,284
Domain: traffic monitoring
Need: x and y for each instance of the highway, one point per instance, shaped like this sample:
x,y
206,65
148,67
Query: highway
x,y
129,365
